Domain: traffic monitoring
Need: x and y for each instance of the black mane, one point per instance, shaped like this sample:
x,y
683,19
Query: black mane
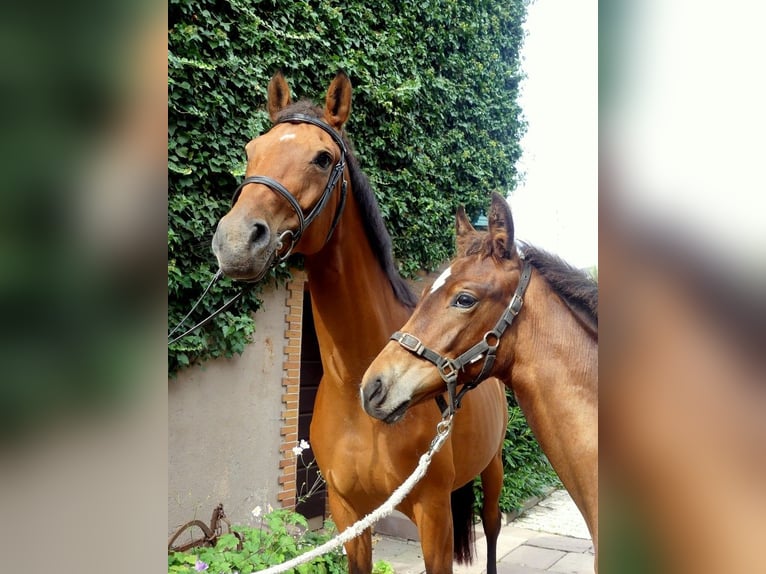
x,y
573,285
372,220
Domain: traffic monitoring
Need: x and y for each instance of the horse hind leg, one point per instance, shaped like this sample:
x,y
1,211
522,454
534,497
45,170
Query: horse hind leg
x,y
492,484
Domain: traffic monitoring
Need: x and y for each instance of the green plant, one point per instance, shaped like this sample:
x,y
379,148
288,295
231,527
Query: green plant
x,y
435,122
527,471
382,567
282,536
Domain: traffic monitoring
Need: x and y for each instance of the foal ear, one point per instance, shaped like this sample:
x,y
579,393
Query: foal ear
x,y
463,230
337,105
501,227
278,95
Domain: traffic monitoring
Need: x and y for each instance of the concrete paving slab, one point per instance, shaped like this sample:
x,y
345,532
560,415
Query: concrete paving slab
x,y
404,556
533,557
563,543
556,514
517,569
573,563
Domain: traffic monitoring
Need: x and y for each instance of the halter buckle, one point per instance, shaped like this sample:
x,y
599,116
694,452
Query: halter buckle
x,y
411,343
515,305
448,371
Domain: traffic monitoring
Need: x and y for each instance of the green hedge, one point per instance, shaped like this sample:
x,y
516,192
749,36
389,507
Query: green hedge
x,y
435,122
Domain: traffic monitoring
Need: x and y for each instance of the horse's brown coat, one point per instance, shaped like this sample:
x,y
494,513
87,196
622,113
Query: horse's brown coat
x,y
547,356
358,303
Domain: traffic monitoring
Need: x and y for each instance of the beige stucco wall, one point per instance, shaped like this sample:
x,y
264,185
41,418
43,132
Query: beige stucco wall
x,y
224,427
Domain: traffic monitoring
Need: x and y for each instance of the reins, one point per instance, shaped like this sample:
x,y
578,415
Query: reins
x,y
487,348
303,220
210,317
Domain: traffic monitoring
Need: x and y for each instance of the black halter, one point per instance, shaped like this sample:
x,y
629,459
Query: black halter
x,y
487,348
304,220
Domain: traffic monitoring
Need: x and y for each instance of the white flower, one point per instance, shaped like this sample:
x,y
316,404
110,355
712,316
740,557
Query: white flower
x,y
304,444
297,451
256,511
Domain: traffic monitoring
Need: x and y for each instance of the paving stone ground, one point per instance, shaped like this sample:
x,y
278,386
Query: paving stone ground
x,y
550,537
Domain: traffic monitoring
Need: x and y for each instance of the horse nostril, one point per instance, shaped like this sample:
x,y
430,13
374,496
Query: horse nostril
x,y
259,236
373,392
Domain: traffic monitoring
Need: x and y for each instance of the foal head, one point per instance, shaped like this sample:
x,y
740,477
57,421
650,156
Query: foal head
x,y
299,155
454,314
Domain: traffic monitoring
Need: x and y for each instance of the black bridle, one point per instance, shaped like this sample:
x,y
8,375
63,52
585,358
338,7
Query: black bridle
x,y
304,220
487,348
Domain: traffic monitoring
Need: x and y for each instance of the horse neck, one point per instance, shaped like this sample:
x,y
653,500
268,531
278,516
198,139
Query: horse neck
x,y
554,376
553,349
354,306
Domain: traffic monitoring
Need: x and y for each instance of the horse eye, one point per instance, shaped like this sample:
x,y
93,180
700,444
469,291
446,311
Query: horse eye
x,y
464,301
323,160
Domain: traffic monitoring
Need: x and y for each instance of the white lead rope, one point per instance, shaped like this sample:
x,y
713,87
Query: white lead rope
x,y
442,432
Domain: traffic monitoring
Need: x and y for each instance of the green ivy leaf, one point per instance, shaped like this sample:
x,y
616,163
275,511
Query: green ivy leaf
x,y
435,121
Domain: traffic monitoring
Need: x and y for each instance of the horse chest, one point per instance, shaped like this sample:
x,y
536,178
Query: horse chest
x,y
360,457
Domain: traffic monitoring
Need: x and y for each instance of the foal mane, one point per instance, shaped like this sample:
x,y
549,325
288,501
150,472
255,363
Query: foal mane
x,y
372,220
575,286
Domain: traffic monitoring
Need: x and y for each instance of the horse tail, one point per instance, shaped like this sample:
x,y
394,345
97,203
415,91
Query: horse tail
x,y
462,523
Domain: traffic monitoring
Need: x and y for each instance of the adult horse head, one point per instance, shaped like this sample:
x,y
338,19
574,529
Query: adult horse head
x,y
295,183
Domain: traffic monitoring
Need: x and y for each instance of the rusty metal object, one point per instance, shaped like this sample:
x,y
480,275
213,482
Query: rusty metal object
x,y
210,533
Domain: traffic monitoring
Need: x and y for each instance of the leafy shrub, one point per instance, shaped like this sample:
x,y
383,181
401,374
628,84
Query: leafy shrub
x,y
284,537
435,121
382,567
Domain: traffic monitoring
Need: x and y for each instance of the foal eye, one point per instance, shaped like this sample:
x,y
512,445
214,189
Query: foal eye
x,y
323,160
464,301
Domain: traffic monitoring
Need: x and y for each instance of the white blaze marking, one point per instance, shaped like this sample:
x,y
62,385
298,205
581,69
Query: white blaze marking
x,y
440,280
287,137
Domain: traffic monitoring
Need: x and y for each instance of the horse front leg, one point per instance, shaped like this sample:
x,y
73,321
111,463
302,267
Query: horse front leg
x,y
433,518
359,549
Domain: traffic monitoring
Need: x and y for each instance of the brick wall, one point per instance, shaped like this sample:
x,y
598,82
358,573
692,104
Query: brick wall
x,y
290,389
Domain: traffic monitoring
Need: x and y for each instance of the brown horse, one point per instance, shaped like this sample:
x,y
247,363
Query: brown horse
x,y
471,324
294,200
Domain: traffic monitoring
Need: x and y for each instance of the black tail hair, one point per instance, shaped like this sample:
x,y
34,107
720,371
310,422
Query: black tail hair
x,y
462,523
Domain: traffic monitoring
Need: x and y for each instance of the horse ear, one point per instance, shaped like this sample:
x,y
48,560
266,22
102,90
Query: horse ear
x,y
278,95
501,227
337,105
463,229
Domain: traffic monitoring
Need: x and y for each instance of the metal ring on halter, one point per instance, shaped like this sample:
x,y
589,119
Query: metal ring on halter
x,y
497,339
281,244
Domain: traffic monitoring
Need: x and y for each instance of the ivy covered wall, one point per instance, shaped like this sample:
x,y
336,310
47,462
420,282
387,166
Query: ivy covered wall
x,y
435,122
